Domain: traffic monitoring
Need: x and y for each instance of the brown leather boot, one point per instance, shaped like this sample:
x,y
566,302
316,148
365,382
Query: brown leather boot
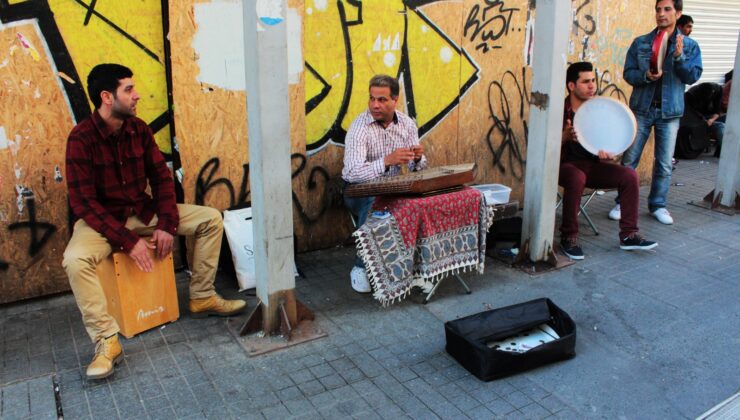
x,y
216,305
108,353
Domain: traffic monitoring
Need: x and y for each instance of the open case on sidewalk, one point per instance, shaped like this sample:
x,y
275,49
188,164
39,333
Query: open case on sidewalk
x,y
474,340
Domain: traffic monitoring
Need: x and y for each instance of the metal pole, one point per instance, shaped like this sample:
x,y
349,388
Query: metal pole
x,y
728,175
266,67
545,122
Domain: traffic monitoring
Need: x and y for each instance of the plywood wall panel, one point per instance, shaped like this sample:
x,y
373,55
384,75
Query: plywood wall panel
x,y
34,121
495,110
211,121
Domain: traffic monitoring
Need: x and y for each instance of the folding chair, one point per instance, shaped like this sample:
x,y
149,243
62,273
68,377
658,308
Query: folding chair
x,y
589,194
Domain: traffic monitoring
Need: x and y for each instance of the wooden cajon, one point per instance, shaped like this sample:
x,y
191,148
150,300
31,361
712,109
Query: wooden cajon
x,y
137,300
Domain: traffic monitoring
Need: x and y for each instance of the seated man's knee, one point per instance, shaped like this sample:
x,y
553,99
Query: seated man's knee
x,y
75,260
215,218
630,176
571,177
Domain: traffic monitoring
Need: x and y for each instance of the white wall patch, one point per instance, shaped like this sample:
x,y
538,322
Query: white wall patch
x,y
3,138
270,12
219,43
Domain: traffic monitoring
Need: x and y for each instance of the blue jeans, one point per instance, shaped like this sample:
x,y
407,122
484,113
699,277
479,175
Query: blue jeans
x,y
717,131
359,207
665,142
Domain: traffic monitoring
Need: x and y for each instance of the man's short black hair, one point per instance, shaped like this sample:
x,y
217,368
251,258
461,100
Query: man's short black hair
x,y
383,80
728,75
105,77
684,19
574,71
677,4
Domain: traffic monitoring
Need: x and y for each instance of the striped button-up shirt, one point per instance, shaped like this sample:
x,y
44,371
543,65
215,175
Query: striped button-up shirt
x,y
368,142
107,176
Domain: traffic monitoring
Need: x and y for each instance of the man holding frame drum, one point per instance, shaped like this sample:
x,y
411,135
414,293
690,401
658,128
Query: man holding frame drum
x,y
658,66
579,169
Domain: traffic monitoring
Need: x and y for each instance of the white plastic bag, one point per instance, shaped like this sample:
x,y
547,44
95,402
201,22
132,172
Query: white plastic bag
x,y
239,233
238,228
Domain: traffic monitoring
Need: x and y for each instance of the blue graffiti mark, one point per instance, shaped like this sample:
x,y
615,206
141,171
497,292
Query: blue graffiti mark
x,y
270,21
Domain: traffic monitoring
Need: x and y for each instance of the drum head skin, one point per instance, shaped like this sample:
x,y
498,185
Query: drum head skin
x,y
660,44
604,124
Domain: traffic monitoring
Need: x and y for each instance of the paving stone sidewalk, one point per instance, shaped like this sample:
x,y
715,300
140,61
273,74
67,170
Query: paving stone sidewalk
x,y
657,338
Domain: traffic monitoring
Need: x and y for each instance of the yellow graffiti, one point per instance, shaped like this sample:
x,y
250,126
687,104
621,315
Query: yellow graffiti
x,y
98,42
436,69
346,43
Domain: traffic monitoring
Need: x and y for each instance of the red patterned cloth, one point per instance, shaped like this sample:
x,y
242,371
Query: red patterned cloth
x,y
424,240
432,215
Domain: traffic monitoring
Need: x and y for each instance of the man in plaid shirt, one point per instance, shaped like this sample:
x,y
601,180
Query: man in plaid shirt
x,y
111,158
378,143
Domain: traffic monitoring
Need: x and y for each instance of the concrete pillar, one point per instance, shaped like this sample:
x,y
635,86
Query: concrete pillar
x,y
545,125
728,174
266,67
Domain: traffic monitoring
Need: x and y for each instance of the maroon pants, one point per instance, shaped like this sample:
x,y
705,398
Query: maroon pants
x,y
576,175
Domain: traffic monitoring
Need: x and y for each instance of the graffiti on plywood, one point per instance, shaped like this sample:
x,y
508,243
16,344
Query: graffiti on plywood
x,y
347,42
79,35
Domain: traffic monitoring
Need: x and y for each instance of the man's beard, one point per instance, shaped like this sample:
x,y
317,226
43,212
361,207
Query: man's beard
x,y
584,97
120,112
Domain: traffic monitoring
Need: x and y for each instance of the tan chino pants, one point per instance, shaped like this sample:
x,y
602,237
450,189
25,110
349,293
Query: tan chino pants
x,y
88,248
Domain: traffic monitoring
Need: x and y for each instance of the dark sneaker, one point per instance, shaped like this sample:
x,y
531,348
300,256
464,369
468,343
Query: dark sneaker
x,y
571,248
636,242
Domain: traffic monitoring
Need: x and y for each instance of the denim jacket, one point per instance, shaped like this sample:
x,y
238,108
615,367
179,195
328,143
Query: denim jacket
x,y
677,73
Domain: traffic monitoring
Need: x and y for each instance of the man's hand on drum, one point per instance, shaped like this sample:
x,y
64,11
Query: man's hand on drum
x,y
606,155
163,242
654,76
399,157
140,255
418,152
569,133
712,119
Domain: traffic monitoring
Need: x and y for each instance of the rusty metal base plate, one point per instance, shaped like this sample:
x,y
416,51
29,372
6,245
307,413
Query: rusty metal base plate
x,y
256,344
542,267
720,209
555,261
712,202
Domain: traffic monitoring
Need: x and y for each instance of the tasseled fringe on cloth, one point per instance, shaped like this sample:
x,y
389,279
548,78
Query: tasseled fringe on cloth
x,y
374,275
490,213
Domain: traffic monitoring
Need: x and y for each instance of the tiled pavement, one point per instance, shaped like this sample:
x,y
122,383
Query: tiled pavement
x,y
657,338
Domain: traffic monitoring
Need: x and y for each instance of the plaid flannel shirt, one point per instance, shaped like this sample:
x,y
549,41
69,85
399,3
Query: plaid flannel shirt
x,y
367,143
107,175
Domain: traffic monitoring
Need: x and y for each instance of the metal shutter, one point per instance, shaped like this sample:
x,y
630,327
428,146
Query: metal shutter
x,y
716,29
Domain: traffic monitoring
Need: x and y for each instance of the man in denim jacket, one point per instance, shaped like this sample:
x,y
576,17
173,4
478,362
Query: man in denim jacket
x,y
657,100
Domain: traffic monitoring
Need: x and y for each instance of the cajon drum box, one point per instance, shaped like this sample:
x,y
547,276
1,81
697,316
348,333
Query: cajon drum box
x,y
137,300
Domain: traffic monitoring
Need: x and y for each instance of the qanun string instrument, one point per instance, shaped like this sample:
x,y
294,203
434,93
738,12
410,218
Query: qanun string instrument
x,y
424,182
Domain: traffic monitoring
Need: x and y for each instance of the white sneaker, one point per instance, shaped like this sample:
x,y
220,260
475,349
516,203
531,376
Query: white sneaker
x,y
359,280
663,216
615,213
